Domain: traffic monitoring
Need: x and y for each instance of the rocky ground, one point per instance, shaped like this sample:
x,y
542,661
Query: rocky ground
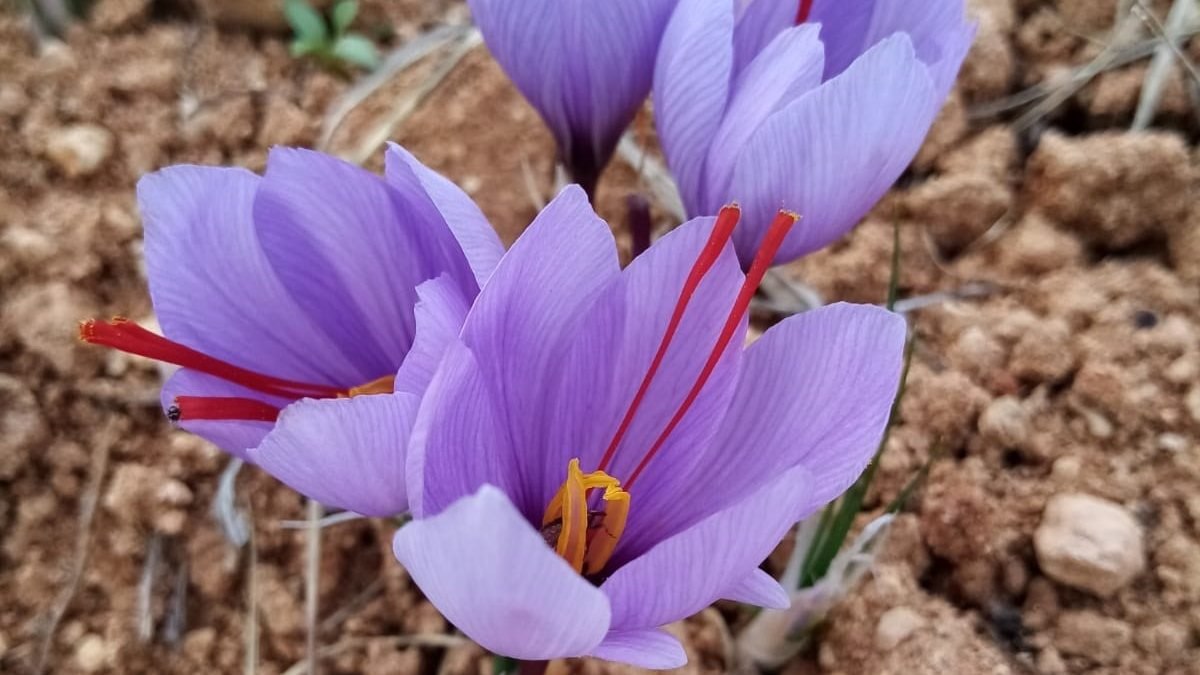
x,y
1052,255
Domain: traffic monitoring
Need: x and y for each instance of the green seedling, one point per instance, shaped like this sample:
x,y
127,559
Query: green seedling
x,y
327,40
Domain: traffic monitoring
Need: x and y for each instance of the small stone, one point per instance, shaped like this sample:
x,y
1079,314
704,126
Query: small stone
x,y
80,150
895,625
1044,352
1005,422
1173,443
91,653
1089,543
1164,638
1088,634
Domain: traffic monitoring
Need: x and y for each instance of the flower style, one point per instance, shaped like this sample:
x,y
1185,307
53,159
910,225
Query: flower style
x,y
598,456
585,66
307,309
816,106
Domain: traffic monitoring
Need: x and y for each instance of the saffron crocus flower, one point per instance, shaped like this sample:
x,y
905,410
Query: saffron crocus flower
x,y
815,106
585,66
305,309
598,456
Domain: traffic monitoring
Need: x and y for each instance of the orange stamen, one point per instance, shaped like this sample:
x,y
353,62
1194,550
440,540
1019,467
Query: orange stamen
x,y
762,262
721,233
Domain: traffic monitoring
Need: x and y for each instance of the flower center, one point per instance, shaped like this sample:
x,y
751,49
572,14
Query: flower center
x,y
124,335
585,538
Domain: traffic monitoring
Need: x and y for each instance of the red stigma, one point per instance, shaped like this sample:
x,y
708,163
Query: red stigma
x,y
223,408
803,11
124,335
762,262
721,233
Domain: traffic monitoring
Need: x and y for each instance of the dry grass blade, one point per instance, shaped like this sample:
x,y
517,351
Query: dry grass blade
x,y
250,660
326,521
312,582
145,589
405,105
224,506
395,63
658,179
1181,14
83,539
437,640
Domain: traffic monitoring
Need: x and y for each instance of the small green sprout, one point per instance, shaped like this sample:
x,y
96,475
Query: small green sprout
x,y
327,40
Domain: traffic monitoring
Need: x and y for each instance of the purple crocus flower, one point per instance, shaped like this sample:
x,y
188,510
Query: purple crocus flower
x,y
816,106
585,66
597,455
307,310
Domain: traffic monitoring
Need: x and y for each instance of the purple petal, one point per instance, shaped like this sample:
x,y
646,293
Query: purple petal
x,y
835,151
654,649
760,589
347,453
583,65
213,288
610,354
687,572
458,443
789,66
758,22
470,227
937,28
554,271
816,391
692,81
352,250
440,313
491,575
844,30
233,436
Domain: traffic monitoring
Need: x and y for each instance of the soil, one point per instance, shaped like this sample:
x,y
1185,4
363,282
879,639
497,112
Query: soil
x,y
1053,259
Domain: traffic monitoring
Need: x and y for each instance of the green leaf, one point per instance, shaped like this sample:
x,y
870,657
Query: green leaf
x,y
302,47
343,15
358,50
305,21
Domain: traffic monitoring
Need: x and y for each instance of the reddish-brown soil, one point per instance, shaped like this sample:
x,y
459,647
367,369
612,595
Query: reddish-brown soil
x,y
1076,371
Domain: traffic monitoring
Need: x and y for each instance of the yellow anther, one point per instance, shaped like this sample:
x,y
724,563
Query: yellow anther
x,y
383,385
586,539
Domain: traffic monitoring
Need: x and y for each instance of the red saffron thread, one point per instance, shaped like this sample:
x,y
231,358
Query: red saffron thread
x,y
124,335
721,233
803,11
224,408
762,261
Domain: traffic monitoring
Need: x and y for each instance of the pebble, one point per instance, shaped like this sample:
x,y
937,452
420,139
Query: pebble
x,y
895,626
1089,543
1005,422
80,149
91,653
1099,638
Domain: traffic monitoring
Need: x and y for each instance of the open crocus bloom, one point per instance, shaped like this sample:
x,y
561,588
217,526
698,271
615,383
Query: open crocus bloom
x,y
598,456
300,307
585,66
815,106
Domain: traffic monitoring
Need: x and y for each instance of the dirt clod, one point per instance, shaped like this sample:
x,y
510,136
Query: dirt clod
x,y
1089,543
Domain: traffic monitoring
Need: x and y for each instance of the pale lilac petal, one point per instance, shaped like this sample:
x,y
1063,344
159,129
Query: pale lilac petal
x,y
352,250
610,353
440,313
583,65
816,390
937,28
517,325
759,589
233,436
831,154
470,227
348,453
844,29
652,648
489,572
458,443
789,66
213,288
692,81
758,22
689,571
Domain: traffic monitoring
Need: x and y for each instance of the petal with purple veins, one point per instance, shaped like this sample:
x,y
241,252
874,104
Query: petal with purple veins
x,y
233,436
212,286
348,453
489,572
759,589
652,648
440,313
832,153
